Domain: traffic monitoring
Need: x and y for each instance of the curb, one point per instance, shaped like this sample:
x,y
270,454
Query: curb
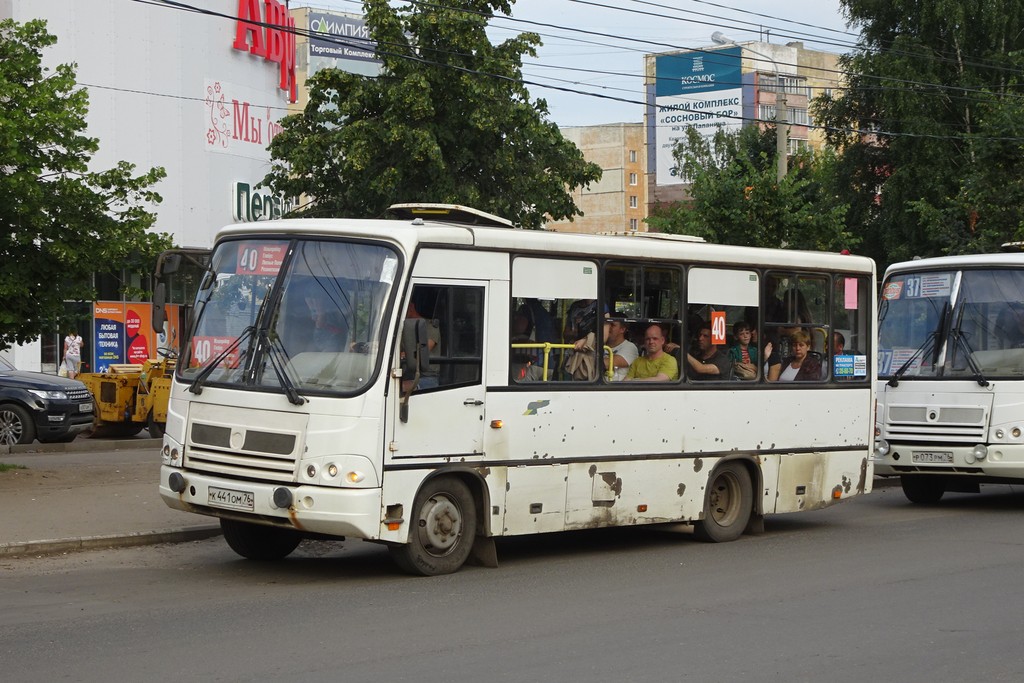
x,y
84,445
59,546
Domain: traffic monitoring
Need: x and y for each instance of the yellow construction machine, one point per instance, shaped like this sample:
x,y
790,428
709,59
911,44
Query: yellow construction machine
x,y
131,397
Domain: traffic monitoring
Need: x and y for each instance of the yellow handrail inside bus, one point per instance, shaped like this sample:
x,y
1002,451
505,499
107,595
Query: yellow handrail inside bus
x,y
548,346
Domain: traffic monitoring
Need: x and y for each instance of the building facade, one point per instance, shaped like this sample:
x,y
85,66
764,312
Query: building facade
x,y
618,202
199,95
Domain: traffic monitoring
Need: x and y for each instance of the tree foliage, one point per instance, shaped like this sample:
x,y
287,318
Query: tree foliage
x,y
930,128
737,198
59,222
448,120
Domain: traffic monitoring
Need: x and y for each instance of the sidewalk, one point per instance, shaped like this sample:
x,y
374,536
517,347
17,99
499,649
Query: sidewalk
x,y
63,501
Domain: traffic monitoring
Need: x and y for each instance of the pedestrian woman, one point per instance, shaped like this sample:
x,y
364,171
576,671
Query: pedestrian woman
x,y
73,344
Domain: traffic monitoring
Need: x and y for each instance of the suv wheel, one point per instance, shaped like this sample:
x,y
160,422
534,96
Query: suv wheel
x,y
16,425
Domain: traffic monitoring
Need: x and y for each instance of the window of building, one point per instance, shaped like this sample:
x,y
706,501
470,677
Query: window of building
x,y
632,156
633,201
632,178
634,224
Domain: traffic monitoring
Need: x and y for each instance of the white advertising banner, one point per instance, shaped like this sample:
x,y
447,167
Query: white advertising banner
x,y
699,89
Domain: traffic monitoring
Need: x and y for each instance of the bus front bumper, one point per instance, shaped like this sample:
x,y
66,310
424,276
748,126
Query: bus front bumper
x,y
352,513
996,461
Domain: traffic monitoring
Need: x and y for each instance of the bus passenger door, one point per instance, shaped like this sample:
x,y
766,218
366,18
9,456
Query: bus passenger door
x,y
444,393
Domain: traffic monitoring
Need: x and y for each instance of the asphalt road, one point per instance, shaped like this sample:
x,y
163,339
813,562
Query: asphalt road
x,y
874,589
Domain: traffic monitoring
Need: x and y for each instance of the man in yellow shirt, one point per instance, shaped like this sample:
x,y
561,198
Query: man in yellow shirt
x,y
655,365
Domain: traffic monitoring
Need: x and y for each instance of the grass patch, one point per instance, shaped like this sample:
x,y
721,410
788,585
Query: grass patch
x,y
4,467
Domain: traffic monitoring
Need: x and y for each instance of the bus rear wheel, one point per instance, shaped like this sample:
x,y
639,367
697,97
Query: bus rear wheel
x,y
258,542
923,489
727,506
443,527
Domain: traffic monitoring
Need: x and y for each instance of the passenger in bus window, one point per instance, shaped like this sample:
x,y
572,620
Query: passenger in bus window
x,y
624,352
802,365
419,339
838,344
580,320
655,365
743,353
707,362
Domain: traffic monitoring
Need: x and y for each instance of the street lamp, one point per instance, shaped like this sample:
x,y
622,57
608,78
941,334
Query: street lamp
x,y
781,106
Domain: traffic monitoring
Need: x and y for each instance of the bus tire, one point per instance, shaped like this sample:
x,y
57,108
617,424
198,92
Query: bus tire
x,y
442,529
922,489
258,542
727,506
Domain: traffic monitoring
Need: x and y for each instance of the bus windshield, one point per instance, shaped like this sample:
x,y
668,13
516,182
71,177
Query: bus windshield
x,y
954,324
299,316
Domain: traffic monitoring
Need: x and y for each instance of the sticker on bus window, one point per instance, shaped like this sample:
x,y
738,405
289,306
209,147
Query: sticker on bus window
x,y
388,269
928,286
892,291
260,258
850,293
718,327
847,366
205,348
937,285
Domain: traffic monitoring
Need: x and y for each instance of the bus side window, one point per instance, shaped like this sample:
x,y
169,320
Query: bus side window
x,y
448,321
554,301
851,320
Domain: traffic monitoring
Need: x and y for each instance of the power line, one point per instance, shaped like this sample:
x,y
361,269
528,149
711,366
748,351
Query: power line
x,y
173,4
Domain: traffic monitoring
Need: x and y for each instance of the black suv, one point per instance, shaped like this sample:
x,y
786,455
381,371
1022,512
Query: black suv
x,y
33,404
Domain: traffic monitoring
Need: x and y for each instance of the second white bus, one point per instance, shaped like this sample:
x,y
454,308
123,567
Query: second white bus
x,y
951,374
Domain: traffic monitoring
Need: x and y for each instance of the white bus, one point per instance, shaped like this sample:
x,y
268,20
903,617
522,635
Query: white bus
x,y
384,380
951,374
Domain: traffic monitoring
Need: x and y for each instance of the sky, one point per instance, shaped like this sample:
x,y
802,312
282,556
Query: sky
x,y
590,67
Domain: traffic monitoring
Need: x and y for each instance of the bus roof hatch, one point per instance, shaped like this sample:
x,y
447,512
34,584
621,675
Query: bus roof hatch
x,y
449,213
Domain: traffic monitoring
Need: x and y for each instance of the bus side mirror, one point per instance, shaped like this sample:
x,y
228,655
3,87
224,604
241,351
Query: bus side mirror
x,y
169,263
159,314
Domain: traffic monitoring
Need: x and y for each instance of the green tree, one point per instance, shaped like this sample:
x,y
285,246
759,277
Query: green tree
x,y
448,120
59,222
929,129
736,197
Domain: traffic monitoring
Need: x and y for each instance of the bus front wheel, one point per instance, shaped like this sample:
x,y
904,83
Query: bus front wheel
x,y
443,526
727,506
922,489
258,542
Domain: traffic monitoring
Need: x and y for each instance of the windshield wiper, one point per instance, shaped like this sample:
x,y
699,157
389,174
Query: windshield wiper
x,y
278,361
979,377
197,384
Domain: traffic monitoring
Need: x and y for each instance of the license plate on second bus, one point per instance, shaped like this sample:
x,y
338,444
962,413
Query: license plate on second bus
x,y
942,457
231,498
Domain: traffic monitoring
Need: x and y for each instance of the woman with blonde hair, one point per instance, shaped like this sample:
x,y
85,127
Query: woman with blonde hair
x,y
801,365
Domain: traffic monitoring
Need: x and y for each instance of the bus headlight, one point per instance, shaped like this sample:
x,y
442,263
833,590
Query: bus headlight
x,y
980,451
1015,432
881,448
